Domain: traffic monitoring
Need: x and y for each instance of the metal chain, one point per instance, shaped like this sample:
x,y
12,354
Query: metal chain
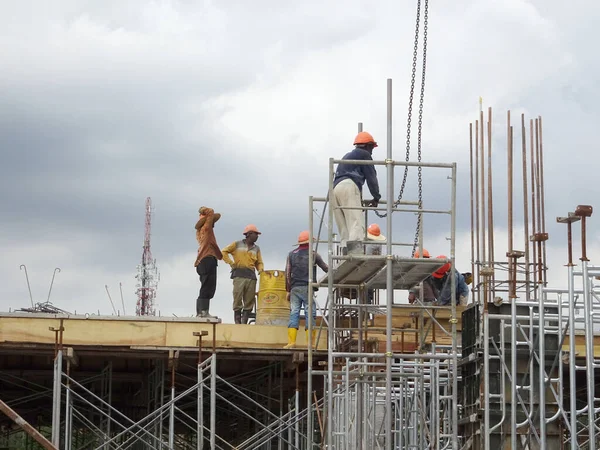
x,y
410,108
422,96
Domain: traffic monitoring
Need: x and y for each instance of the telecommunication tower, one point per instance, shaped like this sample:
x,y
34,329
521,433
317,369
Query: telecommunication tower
x,y
148,276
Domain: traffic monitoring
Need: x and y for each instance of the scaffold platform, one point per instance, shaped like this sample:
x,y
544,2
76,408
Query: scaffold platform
x,y
407,272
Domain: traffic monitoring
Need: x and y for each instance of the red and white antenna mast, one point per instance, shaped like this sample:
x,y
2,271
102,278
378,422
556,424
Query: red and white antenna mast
x,y
147,276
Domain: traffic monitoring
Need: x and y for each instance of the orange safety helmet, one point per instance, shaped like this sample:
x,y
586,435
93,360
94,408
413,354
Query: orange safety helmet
x,y
364,138
374,233
425,253
251,228
442,270
303,238
374,229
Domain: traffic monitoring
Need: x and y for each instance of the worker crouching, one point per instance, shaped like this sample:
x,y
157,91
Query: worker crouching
x,y
247,260
296,285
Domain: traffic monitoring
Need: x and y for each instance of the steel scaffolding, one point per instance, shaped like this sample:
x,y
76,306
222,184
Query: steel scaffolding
x,y
520,386
173,409
374,398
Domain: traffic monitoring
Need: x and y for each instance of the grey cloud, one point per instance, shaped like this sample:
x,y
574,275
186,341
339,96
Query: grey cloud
x,y
106,104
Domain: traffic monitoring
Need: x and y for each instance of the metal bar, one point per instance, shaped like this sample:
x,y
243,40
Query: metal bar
x,y
542,370
309,321
542,189
533,196
68,410
486,384
213,400
509,183
476,277
454,320
200,393
390,274
31,431
332,320
362,162
490,197
483,200
525,206
589,350
56,398
472,204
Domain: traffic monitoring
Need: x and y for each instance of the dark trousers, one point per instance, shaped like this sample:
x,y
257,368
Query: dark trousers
x,y
207,271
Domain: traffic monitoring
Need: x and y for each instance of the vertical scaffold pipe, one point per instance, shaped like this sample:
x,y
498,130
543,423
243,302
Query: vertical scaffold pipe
x,y
311,305
589,354
172,408
542,366
56,401
454,319
476,276
572,359
213,401
389,286
332,314
68,410
200,412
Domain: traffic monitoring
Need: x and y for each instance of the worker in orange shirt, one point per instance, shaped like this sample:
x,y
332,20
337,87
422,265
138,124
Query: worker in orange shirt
x,y
206,260
245,260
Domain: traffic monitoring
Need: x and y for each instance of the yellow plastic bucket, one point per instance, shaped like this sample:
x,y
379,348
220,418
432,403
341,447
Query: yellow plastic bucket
x,y
272,307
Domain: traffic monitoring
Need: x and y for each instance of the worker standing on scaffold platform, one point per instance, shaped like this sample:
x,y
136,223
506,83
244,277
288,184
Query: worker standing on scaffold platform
x,y
206,261
296,285
246,260
347,193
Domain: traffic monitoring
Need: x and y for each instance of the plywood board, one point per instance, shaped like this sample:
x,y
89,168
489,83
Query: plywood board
x,y
82,331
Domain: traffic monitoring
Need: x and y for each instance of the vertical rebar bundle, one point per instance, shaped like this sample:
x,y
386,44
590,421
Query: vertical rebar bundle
x,y
527,370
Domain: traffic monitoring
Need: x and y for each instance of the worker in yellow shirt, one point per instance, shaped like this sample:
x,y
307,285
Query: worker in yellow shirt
x,y
246,261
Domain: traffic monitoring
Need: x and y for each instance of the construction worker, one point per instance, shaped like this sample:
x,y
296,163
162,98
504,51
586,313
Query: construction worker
x,y
374,247
206,261
246,261
444,283
347,193
296,285
430,290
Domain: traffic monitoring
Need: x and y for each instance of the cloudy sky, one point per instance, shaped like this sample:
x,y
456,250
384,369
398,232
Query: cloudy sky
x,y
239,105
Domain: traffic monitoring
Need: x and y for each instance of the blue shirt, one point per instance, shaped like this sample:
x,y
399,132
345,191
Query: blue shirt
x,y
359,174
461,289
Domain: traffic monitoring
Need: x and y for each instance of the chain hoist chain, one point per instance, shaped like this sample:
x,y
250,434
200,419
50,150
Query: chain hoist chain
x,y
421,99
410,108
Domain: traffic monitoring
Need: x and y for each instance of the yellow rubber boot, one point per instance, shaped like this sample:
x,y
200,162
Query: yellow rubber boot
x,y
292,333
314,338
